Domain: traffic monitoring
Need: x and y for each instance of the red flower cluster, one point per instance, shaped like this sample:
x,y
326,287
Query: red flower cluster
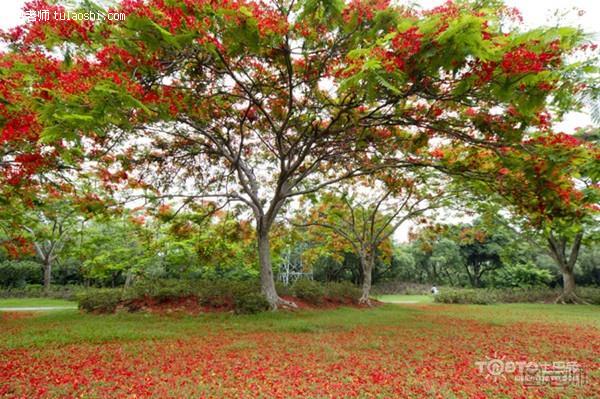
x,y
557,139
363,10
270,21
405,45
16,247
522,61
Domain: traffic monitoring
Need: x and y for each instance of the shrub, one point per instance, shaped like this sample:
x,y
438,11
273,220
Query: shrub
x,y
16,274
282,289
462,296
527,295
104,300
589,294
342,292
251,302
309,291
521,275
33,291
160,289
401,287
37,291
222,293
513,295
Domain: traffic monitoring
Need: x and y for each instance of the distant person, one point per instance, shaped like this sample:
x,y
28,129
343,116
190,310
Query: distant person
x,y
434,290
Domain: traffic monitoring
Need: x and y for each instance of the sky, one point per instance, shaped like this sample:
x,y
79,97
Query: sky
x,y
584,13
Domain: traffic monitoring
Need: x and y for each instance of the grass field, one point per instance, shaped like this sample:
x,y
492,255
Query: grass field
x,y
392,351
34,302
405,298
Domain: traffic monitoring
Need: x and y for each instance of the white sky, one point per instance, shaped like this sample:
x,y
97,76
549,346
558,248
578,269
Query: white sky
x,y
535,13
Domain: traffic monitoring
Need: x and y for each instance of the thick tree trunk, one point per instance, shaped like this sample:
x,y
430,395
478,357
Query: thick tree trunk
x,y
566,264
568,282
568,295
47,275
366,263
267,282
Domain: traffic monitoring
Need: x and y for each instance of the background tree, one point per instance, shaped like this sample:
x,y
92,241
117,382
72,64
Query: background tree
x,y
481,252
366,216
549,184
48,227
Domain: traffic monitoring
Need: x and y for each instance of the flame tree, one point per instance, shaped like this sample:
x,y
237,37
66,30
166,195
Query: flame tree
x,y
259,102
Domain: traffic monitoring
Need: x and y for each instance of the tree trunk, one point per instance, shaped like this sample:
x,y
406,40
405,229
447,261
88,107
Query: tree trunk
x,y
47,275
477,276
568,294
568,283
128,279
566,264
267,282
366,263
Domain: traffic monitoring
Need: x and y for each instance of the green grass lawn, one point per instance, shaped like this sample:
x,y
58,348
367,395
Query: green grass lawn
x,y
34,302
405,298
419,351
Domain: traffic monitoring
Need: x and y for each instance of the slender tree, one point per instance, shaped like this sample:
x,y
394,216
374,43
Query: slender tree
x,y
367,215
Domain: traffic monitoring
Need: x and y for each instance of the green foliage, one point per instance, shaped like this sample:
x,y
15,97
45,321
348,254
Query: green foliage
x,y
589,294
18,273
242,297
342,292
521,275
103,300
588,270
399,287
250,303
462,296
111,248
161,289
514,295
67,292
309,291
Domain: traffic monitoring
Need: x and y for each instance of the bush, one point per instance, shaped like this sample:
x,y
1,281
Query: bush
x,y
34,291
160,289
521,275
282,289
16,274
514,295
251,302
37,291
462,296
241,296
342,292
309,291
589,294
103,300
223,293
527,295
401,288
